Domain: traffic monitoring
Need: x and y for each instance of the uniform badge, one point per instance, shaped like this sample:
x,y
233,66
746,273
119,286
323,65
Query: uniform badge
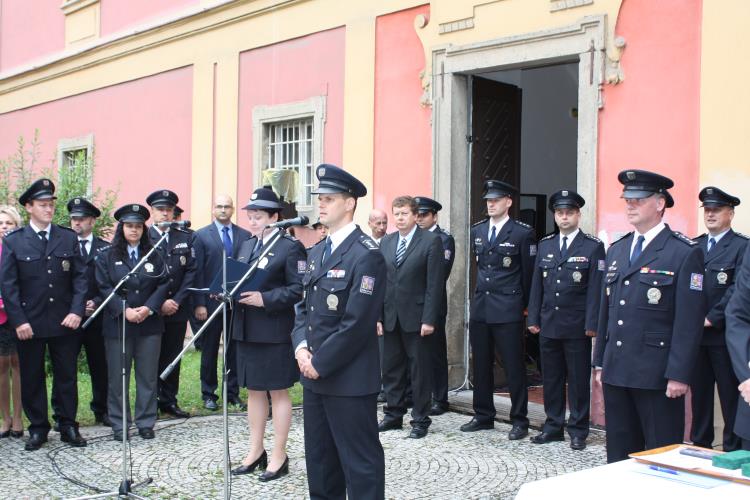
x,y
336,273
544,274
507,261
183,260
532,250
447,255
301,266
607,290
149,267
696,282
550,256
721,278
601,266
66,265
368,285
263,263
577,276
654,295
118,263
333,302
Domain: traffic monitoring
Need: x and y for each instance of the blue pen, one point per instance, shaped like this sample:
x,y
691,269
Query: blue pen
x,y
663,469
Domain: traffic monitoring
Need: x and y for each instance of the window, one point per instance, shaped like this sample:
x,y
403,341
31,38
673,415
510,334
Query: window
x,y
288,145
70,150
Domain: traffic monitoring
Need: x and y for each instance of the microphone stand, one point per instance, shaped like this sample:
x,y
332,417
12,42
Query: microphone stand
x,y
226,298
126,487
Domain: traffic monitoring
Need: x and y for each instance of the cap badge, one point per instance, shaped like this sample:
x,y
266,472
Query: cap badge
x,y
77,201
254,196
564,193
135,208
709,191
45,182
630,176
165,193
321,172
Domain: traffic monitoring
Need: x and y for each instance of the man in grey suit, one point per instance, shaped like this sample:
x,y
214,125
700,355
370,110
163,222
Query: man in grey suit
x,y
210,243
414,263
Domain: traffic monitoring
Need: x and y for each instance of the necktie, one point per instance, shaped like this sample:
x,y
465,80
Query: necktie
x,y
711,244
400,251
638,249
256,250
226,240
43,237
564,247
133,258
83,243
326,250
493,235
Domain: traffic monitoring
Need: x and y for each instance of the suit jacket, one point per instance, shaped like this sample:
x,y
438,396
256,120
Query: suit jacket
x,y
651,314
738,340
41,286
209,248
415,288
148,286
449,255
337,316
721,266
504,271
181,268
285,264
565,291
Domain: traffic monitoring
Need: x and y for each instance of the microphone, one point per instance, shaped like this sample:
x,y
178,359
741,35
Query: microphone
x,y
175,223
297,221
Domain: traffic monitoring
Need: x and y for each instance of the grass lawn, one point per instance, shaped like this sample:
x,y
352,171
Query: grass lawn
x,y
189,397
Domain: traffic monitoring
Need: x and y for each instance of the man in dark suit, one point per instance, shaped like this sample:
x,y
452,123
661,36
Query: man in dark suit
x,y
723,250
211,242
427,210
414,261
563,311
336,348
650,322
504,249
44,291
181,269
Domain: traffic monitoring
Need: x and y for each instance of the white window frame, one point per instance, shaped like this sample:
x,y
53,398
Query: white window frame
x,y
263,116
74,144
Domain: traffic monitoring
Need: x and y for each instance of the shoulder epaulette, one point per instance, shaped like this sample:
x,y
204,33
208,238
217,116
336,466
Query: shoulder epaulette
x,y
65,227
368,242
549,236
591,237
621,238
290,237
683,238
13,231
522,224
102,249
445,232
742,235
480,222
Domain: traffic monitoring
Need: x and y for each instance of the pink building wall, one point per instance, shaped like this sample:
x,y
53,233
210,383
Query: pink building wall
x,y
29,30
119,14
403,133
287,72
142,133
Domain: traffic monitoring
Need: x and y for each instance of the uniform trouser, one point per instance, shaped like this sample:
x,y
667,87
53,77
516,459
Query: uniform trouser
x,y
63,352
407,352
343,453
507,339
641,419
714,366
143,352
381,348
566,361
172,343
209,360
439,361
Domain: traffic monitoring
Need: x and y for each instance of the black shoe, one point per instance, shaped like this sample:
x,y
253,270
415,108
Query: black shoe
x,y
175,411
71,436
16,434
475,425
418,432
578,442
271,475
146,433
117,436
5,434
237,402
381,397
103,418
210,404
517,433
262,461
35,441
390,424
438,409
547,437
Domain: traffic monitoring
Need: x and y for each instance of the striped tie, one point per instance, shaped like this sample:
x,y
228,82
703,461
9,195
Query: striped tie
x,y
400,251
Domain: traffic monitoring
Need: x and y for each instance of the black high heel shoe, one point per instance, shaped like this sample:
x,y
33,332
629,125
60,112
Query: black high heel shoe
x,y
270,476
5,434
16,434
262,461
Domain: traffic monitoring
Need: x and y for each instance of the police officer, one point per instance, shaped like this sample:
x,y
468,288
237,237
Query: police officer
x,y
44,290
650,322
723,250
504,250
177,307
336,347
563,310
427,219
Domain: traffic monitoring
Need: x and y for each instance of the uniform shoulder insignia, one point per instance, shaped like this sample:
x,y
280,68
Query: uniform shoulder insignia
x,y
591,237
742,235
447,233
13,231
480,222
522,224
103,249
368,243
549,236
683,238
621,238
66,228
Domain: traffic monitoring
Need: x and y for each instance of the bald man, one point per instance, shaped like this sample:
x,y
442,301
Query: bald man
x,y
378,222
210,244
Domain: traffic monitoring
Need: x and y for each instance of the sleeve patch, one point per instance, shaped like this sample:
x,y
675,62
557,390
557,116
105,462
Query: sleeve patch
x,y
532,250
696,282
301,266
367,286
447,255
602,265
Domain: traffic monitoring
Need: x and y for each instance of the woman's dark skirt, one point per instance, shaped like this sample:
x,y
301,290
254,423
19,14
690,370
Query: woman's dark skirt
x,y
8,340
266,367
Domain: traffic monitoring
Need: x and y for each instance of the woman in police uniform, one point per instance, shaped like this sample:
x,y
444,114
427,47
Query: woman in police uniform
x,y
263,324
145,294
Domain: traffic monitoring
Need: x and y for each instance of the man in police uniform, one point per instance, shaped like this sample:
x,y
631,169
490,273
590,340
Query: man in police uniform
x,y
427,219
44,291
650,322
337,349
723,250
505,250
563,311
176,309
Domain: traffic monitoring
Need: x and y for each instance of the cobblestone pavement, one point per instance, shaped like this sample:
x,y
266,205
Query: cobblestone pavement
x,y
185,462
